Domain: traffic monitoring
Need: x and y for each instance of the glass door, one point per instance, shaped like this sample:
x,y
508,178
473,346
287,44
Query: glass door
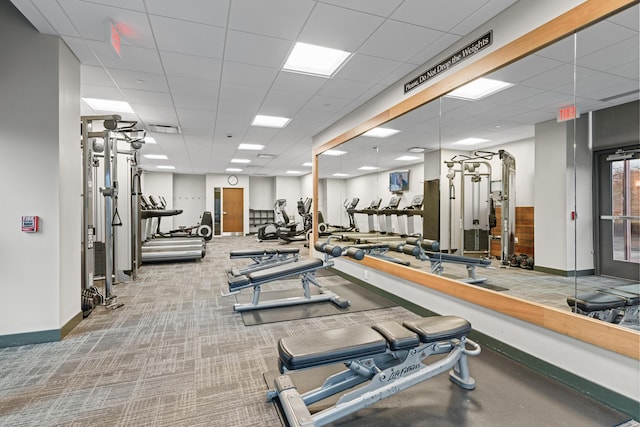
x,y
619,216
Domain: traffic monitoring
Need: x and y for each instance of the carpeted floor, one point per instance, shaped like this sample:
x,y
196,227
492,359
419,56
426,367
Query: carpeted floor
x,y
177,355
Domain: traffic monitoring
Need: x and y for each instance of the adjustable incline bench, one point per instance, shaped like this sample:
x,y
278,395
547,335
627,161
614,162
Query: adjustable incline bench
x,y
262,258
416,246
305,269
389,356
619,305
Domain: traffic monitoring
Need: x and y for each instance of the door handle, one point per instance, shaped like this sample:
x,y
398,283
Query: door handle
x,y
224,213
617,217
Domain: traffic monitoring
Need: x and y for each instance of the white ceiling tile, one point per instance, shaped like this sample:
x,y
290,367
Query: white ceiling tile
x,y
242,93
139,80
56,17
338,28
441,15
629,18
400,72
91,20
248,75
147,97
123,4
302,84
32,13
398,41
101,92
480,16
256,50
155,115
173,35
367,68
380,8
193,86
274,18
525,68
133,58
344,89
205,12
92,75
429,52
190,66
195,102
610,59
601,35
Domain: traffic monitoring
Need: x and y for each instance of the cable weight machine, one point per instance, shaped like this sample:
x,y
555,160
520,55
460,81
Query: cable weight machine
x,y
102,223
477,202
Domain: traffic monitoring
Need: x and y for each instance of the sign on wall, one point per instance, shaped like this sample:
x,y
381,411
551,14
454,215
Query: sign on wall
x,y
445,65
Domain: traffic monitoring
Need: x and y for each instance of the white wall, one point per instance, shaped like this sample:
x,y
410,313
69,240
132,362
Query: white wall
x,y
70,186
160,184
263,193
189,195
40,169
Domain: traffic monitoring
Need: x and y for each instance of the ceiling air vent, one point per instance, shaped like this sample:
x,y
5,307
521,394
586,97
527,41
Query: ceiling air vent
x,y
164,129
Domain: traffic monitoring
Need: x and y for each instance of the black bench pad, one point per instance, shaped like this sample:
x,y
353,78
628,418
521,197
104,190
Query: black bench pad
x,y
436,328
398,337
596,301
247,253
333,346
286,270
344,344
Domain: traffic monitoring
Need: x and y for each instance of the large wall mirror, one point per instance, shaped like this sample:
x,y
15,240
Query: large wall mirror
x,y
541,174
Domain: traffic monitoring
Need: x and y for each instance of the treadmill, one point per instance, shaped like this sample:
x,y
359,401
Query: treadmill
x,y
159,247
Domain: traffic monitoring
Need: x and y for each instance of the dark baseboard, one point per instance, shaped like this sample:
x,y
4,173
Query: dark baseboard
x,y
38,337
588,388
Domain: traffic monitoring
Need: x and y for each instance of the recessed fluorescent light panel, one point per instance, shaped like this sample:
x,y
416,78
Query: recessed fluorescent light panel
x,y
165,167
294,172
334,153
317,60
308,164
108,105
156,156
266,156
234,170
471,141
149,140
270,121
380,132
240,161
368,168
341,175
408,158
256,147
479,88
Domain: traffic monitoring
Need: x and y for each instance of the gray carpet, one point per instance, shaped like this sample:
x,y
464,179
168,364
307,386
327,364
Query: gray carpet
x,y
177,355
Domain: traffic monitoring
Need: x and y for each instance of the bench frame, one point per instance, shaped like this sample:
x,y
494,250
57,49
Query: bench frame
x,y
387,373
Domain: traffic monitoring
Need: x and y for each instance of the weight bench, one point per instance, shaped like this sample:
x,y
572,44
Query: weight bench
x,y
388,356
619,305
437,259
379,250
305,269
262,258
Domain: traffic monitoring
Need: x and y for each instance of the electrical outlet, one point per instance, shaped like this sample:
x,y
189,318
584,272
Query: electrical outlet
x,y
366,275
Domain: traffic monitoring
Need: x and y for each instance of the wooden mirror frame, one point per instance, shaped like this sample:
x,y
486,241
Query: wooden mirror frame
x,y
602,334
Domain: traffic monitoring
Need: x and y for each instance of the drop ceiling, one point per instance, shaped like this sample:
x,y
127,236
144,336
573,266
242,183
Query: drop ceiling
x,y
209,67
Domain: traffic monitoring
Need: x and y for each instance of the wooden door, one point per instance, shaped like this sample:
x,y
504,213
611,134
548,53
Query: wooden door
x,y
232,210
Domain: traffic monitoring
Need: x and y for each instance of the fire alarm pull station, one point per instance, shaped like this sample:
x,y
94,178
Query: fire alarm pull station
x,y
30,224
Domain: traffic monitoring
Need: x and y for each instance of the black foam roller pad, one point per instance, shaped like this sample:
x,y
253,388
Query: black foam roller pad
x,y
355,253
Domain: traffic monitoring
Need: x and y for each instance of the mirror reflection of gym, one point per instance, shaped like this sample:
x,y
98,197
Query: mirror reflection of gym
x,y
521,120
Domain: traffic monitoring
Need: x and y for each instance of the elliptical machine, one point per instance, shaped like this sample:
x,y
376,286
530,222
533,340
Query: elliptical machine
x,y
270,231
289,234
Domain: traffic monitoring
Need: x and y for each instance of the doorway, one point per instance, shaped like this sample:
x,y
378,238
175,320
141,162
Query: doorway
x,y
233,211
618,214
